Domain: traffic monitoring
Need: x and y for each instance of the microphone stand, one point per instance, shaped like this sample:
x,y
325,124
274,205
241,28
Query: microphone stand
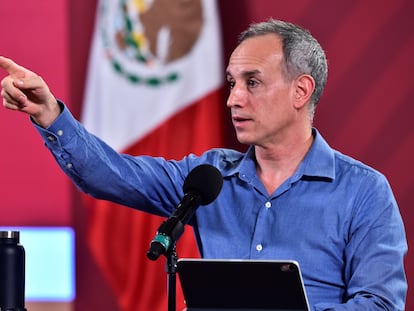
x,y
170,230
175,228
172,259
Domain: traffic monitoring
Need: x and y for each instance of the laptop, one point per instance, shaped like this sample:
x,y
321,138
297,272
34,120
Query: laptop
x,y
242,285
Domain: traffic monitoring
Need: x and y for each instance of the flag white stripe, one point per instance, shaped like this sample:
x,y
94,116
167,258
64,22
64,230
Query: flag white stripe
x,y
121,112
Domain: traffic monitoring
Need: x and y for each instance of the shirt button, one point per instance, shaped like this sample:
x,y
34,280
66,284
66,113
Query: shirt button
x,y
259,247
51,138
59,133
69,165
268,204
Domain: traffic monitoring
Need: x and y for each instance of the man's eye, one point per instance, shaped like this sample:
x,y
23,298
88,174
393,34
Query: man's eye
x,y
251,83
231,84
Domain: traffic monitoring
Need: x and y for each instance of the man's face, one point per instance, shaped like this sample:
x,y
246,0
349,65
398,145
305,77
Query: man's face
x,y
261,98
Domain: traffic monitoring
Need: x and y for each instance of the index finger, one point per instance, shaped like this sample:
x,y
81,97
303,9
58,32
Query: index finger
x,y
10,66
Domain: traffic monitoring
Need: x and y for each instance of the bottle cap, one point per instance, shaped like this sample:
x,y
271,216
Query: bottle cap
x,y
10,235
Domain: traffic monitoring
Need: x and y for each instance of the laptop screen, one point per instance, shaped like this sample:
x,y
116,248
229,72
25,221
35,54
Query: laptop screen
x,y
242,285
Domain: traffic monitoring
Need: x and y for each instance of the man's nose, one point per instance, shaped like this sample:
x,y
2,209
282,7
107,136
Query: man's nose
x,y
237,97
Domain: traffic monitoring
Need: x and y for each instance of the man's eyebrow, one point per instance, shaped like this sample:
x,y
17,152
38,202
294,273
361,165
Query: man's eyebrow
x,y
245,74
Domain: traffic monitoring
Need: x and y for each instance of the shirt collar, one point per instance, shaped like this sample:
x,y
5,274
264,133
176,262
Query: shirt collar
x,y
318,163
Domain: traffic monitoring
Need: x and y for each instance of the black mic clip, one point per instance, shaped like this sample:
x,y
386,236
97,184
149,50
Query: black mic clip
x,y
162,241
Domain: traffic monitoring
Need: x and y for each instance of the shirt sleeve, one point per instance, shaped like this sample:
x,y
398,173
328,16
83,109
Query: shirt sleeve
x,y
150,184
374,255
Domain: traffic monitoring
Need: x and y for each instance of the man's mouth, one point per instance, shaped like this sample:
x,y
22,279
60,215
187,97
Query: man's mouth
x,y
239,120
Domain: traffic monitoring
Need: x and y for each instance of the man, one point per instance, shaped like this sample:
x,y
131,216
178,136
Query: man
x,y
290,196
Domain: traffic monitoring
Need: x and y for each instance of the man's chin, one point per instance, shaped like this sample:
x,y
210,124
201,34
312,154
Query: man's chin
x,y
242,139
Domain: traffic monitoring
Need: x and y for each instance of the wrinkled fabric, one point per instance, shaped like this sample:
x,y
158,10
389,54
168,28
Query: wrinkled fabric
x,y
335,216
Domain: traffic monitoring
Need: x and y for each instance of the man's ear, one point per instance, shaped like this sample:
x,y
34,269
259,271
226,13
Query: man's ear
x,y
304,87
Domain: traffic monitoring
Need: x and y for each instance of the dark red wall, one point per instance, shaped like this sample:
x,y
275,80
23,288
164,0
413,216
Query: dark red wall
x,y
365,112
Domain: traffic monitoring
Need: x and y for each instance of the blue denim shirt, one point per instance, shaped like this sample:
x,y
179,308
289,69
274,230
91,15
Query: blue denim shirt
x,y
336,216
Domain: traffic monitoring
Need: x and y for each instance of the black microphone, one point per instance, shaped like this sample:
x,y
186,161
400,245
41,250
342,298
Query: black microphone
x,y
201,187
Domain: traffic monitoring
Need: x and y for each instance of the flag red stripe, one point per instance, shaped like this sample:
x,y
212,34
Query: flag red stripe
x,y
119,237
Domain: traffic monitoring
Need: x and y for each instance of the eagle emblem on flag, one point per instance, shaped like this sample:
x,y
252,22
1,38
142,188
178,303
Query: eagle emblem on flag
x,y
142,38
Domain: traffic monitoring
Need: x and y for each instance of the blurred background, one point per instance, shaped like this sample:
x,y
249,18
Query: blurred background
x,y
366,112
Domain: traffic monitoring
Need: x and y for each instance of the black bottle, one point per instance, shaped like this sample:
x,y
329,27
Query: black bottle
x,y
12,272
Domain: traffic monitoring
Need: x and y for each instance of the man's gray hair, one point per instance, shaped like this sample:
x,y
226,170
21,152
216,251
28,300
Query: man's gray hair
x,y
301,51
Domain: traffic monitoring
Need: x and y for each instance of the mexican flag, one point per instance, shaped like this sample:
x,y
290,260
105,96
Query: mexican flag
x,y
153,88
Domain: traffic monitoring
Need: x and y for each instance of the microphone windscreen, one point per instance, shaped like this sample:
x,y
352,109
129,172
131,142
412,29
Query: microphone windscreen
x,y
204,180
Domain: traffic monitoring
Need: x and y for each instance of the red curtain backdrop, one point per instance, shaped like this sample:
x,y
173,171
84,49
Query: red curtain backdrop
x,y
365,112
